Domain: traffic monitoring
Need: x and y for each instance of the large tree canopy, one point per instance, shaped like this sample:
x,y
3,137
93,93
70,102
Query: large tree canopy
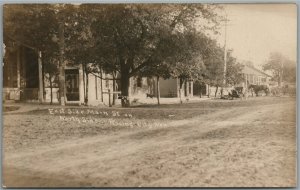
x,y
132,38
162,40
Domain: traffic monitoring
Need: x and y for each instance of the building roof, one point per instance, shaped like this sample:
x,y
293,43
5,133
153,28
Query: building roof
x,y
253,71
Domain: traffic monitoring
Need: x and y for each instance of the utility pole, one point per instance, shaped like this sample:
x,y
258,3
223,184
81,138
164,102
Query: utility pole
x,y
61,64
225,57
41,88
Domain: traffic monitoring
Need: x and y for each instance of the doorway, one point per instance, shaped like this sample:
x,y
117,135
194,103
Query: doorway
x,y
72,84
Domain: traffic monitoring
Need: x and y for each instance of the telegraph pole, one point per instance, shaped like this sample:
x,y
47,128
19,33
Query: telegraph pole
x,y
41,88
61,64
225,57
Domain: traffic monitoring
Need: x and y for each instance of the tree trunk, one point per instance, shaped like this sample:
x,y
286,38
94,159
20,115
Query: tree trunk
x,y
125,83
200,90
114,89
51,87
87,88
41,88
61,65
216,91
101,84
83,78
208,91
43,78
158,90
181,81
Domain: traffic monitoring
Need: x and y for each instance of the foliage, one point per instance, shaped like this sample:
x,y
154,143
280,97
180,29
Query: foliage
x,y
132,39
233,71
34,26
281,67
214,64
162,40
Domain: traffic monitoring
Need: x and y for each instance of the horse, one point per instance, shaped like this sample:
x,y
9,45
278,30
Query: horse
x,y
258,88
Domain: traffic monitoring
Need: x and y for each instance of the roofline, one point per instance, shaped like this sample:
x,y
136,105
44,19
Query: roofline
x,y
258,70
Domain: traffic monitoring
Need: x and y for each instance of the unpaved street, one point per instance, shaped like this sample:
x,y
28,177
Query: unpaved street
x,y
250,143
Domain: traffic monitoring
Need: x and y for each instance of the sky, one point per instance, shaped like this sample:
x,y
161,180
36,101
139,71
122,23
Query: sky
x,y
256,30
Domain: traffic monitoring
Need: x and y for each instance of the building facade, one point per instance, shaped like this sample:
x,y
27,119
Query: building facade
x,y
24,80
20,74
254,76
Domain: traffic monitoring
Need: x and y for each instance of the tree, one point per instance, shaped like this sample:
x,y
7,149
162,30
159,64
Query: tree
x,y
282,68
162,62
289,71
214,67
123,38
234,71
42,27
214,64
131,34
51,69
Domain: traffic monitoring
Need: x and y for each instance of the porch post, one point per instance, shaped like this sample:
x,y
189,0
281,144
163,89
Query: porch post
x,y
81,87
206,90
41,97
187,89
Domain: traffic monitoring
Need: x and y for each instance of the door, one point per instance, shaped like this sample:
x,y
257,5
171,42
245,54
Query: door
x,y
72,84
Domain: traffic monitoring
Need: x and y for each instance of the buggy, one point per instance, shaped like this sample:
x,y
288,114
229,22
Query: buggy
x,y
234,94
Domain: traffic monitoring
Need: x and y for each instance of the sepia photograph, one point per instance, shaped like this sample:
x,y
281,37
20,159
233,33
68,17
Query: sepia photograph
x,y
137,95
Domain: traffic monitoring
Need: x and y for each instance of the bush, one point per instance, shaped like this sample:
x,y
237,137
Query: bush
x,y
283,91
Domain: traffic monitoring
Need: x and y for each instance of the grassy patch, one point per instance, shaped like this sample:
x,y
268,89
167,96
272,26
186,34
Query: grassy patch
x,y
10,108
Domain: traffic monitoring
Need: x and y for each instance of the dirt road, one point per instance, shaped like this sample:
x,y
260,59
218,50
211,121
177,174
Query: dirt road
x,y
240,146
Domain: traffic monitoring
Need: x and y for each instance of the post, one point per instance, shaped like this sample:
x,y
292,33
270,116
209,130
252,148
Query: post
x,y
225,58
109,102
61,64
41,91
114,89
101,84
187,89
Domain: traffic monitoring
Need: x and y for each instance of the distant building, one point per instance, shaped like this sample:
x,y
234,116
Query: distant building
x,y
24,80
255,76
251,75
169,88
21,80
20,73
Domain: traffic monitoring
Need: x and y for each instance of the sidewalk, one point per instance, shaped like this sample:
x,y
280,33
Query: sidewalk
x,y
170,100
30,106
